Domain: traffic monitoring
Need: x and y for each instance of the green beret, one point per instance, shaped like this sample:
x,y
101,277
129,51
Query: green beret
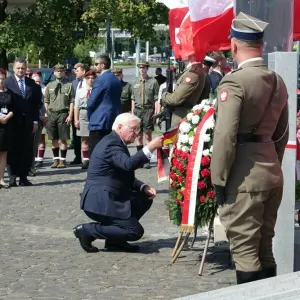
x,y
58,67
117,70
143,63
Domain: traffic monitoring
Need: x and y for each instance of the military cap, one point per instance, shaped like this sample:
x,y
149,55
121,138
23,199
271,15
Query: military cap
x,y
208,60
117,70
90,73
58,67
247,28
143,63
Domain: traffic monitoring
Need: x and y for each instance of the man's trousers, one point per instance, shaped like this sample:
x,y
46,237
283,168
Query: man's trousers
x,y
249,220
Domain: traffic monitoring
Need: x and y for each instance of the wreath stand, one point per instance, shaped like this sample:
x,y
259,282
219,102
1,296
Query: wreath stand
x,y
181,241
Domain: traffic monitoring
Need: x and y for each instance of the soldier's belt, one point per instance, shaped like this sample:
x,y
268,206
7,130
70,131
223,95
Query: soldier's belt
x,y
248,138
58,111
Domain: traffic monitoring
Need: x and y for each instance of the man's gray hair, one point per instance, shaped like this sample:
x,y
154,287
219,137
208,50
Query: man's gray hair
x,y
124,119
20,60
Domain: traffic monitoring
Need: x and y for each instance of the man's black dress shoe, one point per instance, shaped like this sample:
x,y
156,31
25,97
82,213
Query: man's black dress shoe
x,y
76,161
25,182
85,165
120,246
85,241
12,182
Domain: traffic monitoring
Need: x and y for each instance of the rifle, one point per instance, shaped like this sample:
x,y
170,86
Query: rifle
x,y
166,114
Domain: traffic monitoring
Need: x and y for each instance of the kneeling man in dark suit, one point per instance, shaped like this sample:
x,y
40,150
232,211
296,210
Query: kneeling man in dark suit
x,y
112,196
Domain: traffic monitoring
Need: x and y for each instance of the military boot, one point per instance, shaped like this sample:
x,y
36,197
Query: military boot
x,y
55,163
62,164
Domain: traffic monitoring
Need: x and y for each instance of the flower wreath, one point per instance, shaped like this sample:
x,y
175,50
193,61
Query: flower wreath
x,y
206,205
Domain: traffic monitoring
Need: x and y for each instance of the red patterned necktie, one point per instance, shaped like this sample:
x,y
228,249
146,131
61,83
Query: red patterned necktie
x,y
88,94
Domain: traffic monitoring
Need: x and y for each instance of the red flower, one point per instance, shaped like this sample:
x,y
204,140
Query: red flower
x,y
211,194
202,199
173,176
201,185
180,167
185,155
178,201
174,185
205,173
180,178
205,161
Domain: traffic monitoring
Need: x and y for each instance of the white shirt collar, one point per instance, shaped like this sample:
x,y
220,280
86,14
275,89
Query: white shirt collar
x,y
18,78
218,72
250,60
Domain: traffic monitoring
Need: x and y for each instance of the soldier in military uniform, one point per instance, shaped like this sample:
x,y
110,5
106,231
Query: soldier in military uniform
x,y
187,93
126,95
144,95
59,102
250,136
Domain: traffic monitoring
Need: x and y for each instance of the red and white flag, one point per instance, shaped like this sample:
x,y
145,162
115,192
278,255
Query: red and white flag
x,y
177,13
211,21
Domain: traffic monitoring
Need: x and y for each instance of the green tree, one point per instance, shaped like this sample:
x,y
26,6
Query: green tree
x,y
136,16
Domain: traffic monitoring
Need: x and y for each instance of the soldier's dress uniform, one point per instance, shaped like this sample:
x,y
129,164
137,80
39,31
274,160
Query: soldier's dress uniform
x,y
59,94
144,95
187,94
246,168
126,95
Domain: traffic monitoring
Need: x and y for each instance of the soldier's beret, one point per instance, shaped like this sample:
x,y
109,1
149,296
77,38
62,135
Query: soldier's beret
x,y
247,28
90,73
117,70
143,63
59,67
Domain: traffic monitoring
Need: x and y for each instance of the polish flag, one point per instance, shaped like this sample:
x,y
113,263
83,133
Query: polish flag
x,y
177,13
211,22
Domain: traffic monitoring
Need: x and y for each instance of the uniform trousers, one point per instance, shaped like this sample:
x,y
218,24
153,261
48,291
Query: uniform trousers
x,y
95,136
19,158
249,220
120,229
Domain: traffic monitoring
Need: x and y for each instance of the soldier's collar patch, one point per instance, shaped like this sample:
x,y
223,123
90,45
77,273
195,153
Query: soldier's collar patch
x,y
223,95
188,79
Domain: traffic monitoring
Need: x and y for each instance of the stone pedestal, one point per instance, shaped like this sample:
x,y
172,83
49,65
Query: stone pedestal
x,y
286,64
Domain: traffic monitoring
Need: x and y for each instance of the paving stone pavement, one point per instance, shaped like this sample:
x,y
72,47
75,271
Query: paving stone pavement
x,y
41,259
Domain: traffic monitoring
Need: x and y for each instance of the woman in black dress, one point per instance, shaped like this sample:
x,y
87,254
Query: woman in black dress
x,y
6,112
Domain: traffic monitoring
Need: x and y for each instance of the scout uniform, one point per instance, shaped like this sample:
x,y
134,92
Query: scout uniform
x,y
187,94
250,136
59,94
126,95
144,95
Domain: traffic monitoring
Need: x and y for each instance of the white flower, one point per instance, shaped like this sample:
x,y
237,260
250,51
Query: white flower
x,y
184,127
211,149
195,129
184,138
189,116
196,107
206,108
195,119
206,138
191,140
211,124
185,149
205,152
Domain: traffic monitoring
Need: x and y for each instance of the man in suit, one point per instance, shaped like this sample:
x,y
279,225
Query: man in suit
x,y
80,69
104,103
27,103
249,141
112,195
159,76
218,67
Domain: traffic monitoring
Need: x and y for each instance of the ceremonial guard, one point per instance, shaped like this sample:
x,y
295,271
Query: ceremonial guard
x,y
187,93
126,95
59,103
250,136
144,96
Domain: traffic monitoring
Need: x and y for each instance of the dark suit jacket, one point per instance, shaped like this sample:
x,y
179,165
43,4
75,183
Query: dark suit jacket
x,y
30,106
160,79
215,79
105,101
111,180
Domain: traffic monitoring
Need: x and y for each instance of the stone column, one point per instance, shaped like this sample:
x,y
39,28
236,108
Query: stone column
x,y
286,64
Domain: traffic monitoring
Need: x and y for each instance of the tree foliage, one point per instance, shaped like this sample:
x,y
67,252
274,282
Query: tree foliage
x,y
136,16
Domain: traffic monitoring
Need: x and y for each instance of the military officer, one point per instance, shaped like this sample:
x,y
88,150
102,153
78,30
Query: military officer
x,y
126,91
59,103
250,136
187,93
144,96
